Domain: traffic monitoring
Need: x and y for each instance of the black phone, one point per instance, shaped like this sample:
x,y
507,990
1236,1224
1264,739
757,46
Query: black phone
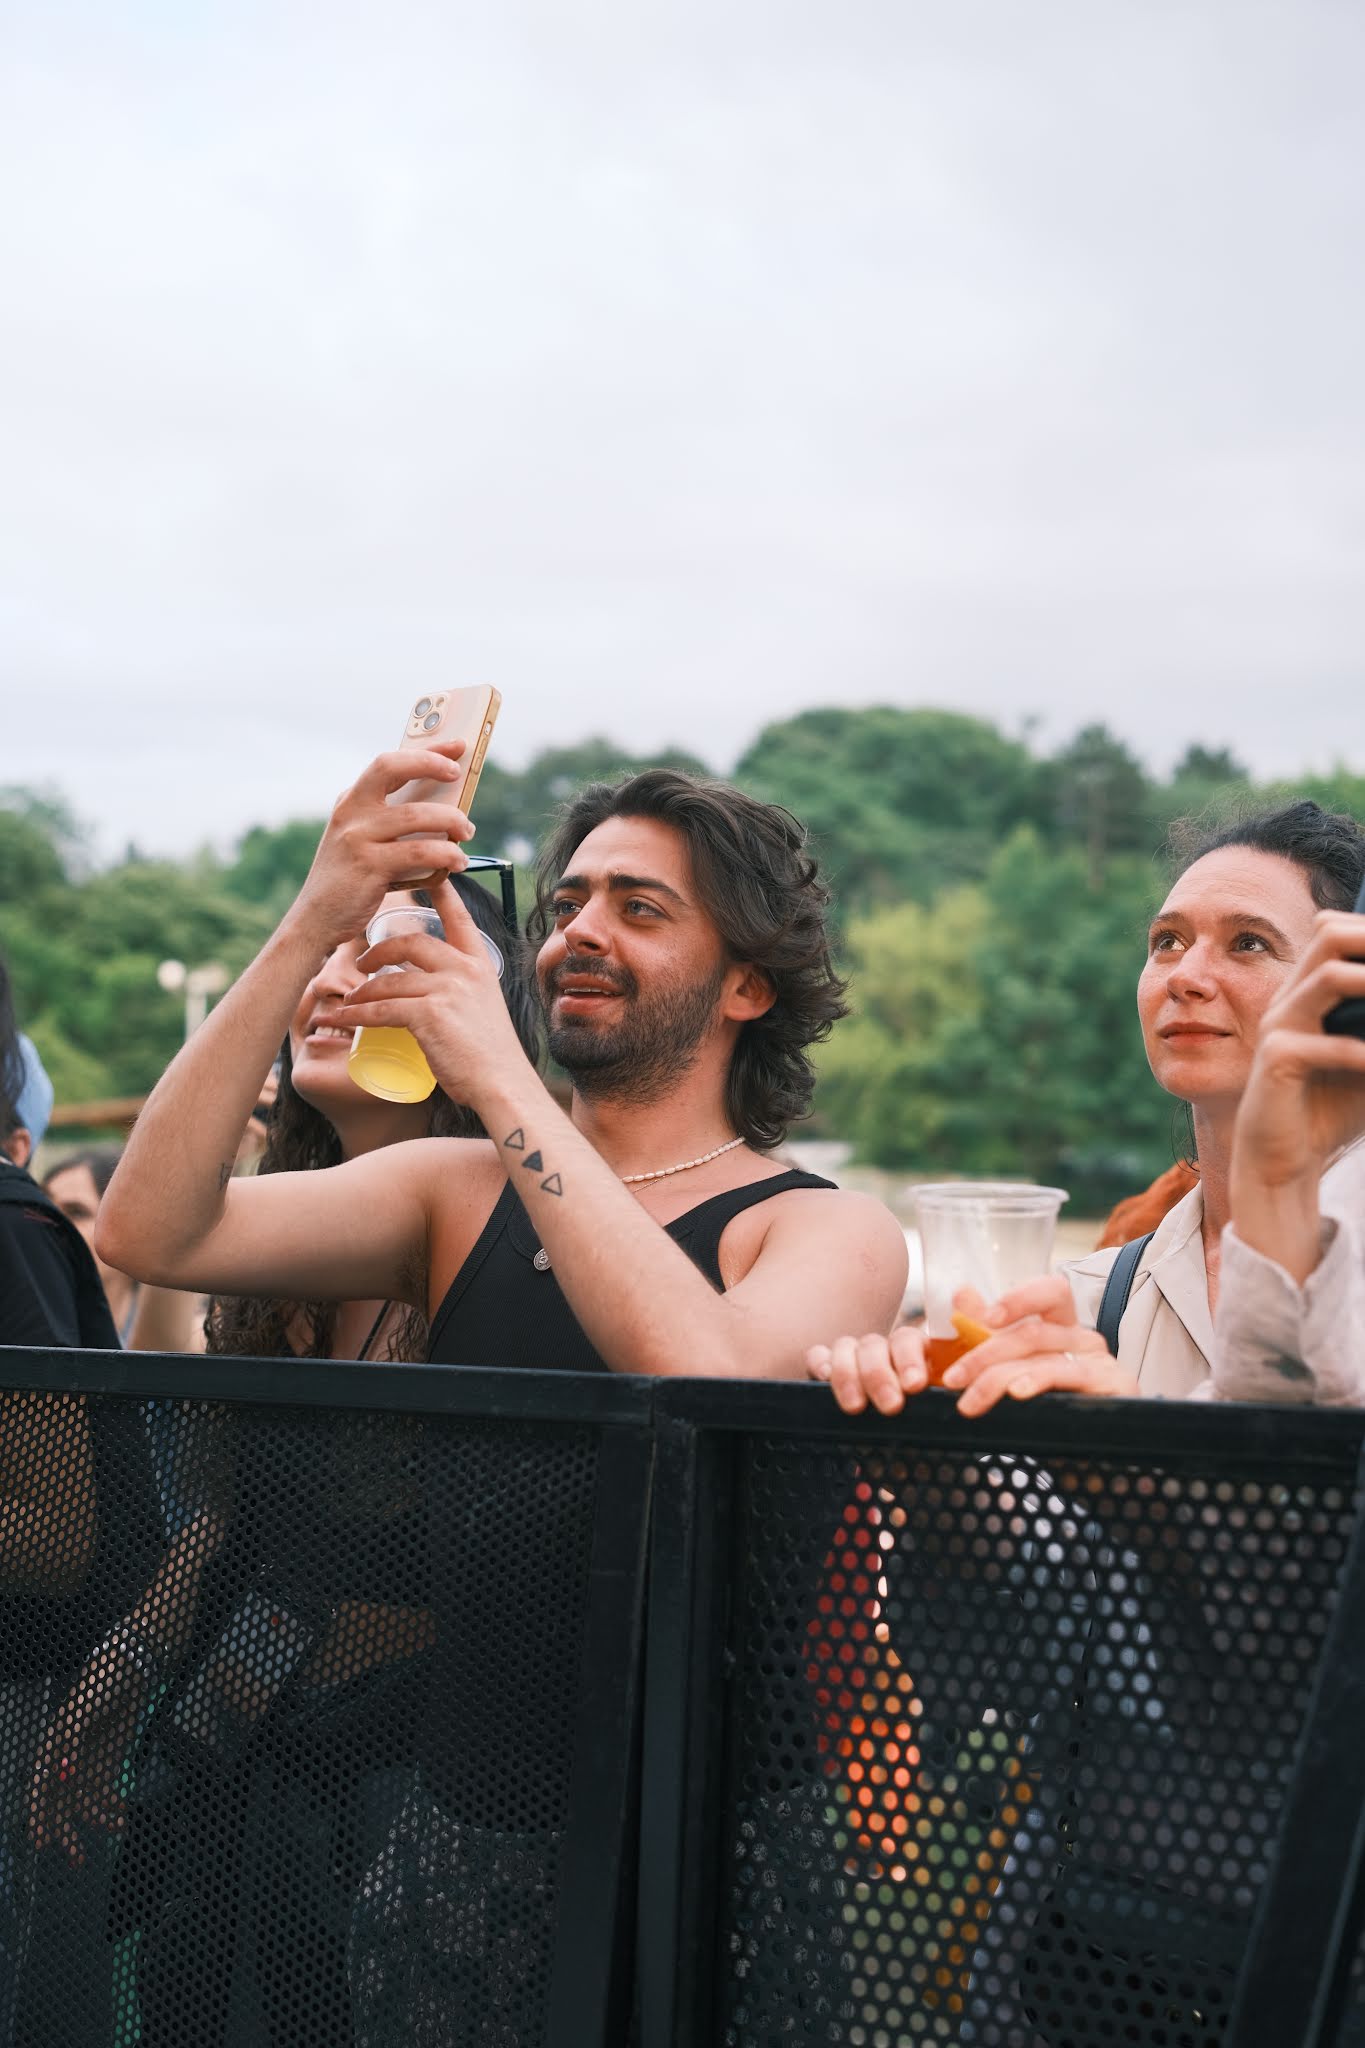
x,y
1347,1020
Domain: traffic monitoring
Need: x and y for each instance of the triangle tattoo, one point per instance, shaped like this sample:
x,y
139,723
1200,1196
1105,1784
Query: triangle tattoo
x,y
517,1141
532,1163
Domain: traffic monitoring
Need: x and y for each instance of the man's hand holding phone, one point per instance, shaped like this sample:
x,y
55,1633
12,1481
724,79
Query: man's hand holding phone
x,y
370,845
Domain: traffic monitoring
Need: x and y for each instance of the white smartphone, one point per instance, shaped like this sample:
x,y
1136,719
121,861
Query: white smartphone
x,y
443,715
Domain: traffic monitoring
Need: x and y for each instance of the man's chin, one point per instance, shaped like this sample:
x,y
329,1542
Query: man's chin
x,y
581,1048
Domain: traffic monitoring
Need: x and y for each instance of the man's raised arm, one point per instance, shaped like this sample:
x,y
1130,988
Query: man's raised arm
x,y
173,1213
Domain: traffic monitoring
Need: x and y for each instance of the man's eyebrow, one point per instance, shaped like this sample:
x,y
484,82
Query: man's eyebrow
x,y
620,884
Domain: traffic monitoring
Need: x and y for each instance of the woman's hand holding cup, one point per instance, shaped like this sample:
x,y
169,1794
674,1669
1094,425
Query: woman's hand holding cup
x,y
1029,1343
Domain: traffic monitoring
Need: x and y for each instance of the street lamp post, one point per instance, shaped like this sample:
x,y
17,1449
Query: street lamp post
x,y
198,983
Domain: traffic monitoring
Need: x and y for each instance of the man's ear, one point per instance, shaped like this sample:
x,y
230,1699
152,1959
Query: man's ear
x,y
753,995
18,1146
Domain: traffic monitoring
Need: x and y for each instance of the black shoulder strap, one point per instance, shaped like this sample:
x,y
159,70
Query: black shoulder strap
x,y
1118,1287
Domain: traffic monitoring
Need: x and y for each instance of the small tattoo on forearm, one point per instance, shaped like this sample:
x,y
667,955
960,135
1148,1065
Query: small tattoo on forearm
x,y
533,1162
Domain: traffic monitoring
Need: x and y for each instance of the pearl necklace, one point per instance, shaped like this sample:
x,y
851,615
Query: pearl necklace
x,y
662,1172
541,1261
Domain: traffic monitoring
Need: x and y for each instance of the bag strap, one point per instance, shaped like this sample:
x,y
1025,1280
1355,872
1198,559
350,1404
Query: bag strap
x,y
1118,1287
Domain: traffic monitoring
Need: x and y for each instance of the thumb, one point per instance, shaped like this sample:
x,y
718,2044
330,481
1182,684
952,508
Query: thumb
x,y
456,922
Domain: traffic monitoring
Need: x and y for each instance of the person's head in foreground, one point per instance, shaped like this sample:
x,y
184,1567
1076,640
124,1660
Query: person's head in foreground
x,y
1236,922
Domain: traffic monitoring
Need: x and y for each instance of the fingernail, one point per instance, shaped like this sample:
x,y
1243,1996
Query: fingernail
x,y
954,1377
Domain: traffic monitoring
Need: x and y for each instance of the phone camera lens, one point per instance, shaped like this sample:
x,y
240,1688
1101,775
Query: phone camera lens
x,y
422,707
433,720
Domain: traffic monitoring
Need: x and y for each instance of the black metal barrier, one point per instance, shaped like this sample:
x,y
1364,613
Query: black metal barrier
x,y
330,1717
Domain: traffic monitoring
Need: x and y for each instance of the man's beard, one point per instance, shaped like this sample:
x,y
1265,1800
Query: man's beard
x,y
641,1057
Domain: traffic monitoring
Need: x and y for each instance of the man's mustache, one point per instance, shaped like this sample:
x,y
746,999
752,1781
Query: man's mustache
x,y
572,968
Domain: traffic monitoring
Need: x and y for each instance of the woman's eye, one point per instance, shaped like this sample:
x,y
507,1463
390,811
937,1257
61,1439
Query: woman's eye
x,y
1164,942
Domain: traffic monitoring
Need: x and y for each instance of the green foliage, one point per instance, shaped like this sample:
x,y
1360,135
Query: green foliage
x,y
272,862
990,903
899,803
951,1061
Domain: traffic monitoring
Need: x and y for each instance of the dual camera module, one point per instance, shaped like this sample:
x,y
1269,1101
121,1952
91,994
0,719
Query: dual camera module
x,y
427,713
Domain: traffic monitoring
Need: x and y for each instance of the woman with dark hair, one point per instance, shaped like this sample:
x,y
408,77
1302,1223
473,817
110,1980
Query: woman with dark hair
x,y
288,1626
1239,916
321,1117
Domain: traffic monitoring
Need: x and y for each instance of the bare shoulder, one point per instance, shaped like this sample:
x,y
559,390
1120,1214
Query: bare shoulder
x,y
828,1223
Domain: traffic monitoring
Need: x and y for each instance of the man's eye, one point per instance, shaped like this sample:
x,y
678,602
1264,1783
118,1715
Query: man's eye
x,y
638,904
1164,942
1246,942
563,906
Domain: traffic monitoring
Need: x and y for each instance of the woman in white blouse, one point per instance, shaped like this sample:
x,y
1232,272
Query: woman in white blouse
x,y
1223,950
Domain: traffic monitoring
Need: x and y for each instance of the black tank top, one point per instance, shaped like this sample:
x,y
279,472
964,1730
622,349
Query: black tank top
x,y
502,1310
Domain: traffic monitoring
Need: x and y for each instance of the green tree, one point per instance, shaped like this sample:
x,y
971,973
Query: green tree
x,y
1100,798
997,1032
271,861
899,803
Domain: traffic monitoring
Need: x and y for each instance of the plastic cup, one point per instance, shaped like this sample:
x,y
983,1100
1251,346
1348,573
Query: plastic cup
x,y
385,1059
990,1235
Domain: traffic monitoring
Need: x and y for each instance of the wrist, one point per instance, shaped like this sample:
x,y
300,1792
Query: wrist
x,y
1279,1219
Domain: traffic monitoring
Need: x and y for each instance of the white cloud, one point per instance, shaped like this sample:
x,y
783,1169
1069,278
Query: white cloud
x,y
674,369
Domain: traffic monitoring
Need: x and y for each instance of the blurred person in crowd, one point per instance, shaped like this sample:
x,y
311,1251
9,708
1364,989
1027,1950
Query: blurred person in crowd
x,y
77,1185
216,1873
79,1531
1239,917
684,970
29,1104
1293,1296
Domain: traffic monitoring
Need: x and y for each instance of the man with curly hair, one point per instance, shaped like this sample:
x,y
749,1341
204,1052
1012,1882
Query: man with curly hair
x,y
684,970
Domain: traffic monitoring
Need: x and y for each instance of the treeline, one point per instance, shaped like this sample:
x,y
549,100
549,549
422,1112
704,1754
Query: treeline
x,y
991,901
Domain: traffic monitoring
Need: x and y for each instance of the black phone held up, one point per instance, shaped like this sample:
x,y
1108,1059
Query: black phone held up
x,y
1347,1020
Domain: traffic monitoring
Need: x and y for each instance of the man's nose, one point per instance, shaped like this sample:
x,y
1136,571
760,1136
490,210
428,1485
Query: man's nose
x,y
587,932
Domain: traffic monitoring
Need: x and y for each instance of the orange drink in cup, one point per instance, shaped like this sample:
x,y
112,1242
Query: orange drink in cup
x,y
986,1235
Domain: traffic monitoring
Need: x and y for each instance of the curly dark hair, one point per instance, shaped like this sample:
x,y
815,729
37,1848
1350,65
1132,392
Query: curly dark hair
x,y
763,892
1329,846
300,1138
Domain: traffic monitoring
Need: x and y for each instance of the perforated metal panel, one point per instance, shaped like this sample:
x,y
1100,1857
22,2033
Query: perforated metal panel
x,y
1008,1742
302,1775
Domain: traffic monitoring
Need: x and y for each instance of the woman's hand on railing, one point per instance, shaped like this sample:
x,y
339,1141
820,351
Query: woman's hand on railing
x,y
86,1749
882,1370
1037,1346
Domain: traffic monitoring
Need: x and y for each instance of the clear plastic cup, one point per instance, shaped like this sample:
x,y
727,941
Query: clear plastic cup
x,y
986,1234
385,1059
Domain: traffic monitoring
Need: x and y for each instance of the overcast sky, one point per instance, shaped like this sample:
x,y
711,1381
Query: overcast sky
x,y
674,368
